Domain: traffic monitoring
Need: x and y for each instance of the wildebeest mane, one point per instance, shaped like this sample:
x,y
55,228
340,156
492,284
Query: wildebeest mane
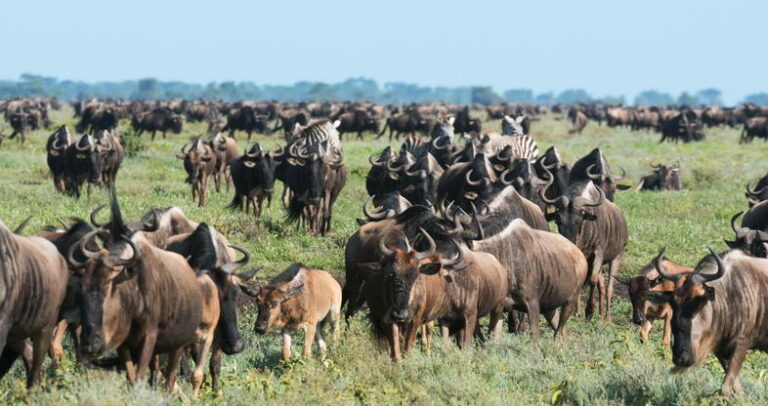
x,y
288,275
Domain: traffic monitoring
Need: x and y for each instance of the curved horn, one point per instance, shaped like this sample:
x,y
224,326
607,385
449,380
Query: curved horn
x,y
657,263
740,231
457,259
543,191
720,269
81,245
480,232
377,215
234,266
152,225
22,226
446,144
183,149
374,162
583,202
432,246
592,175
468,177
623,174
755,193
93,216
383,246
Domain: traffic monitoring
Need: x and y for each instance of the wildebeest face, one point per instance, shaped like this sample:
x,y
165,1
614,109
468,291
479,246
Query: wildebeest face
x,y
229,287
637,287
100,277
176,124
574,209
692,310
269,301
261,169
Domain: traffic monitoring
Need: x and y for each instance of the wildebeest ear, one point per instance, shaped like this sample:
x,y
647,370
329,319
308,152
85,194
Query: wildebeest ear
x,y
430,268
709,292
659,297
731,244
248,291
293,292
588,216
623,187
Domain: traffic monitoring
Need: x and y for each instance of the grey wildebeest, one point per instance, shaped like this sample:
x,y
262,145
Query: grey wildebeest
x,y
33,282
303,298
719,308
253,175
594,166
200,163
759,192
598,227
664,177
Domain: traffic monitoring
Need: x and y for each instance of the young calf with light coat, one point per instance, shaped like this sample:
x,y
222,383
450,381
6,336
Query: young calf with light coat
x,y
300,298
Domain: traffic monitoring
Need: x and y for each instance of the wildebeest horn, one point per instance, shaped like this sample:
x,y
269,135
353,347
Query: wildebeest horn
x,y
81,245
377,214
93,216
623,174
657,263
740,231
480,232
457,259
302,152
383,246
394,168
279,153
183,149
470,182
755,193
592,175
374,162
623,281
704,277
583,202
446,144
55,144
417,172
655,166
153,224
430,251
22,226
234,266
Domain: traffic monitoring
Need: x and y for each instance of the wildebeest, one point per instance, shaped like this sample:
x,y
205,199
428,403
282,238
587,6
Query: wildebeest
x,y
719,308
160,119
200,163
664,177
404,123
759,192
138,299
598,227
109,153
34,280
56,147
545,271
82,163
253,175
754,127
357,121
752,236
288,120
248,119
579,121
644,312
594,166
315,175
97,117
685,126
303,298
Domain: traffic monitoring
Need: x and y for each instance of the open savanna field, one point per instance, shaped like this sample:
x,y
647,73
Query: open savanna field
x,y
598,363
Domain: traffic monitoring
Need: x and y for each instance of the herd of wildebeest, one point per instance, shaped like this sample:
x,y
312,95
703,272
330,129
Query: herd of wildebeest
x,y
456,228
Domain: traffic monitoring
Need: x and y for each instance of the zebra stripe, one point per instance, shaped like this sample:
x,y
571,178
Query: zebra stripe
x,y
523,146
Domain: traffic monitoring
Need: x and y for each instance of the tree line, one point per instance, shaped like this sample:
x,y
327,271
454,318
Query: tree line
x,y
354,89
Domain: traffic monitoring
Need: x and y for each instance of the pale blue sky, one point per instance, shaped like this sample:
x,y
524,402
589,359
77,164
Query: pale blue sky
x,y
607,47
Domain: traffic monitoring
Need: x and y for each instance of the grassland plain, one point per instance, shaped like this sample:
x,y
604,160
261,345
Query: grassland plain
x,y
598,364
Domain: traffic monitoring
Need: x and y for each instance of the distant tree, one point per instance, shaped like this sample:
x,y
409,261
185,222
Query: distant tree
x,y
321,92
710,96
546,99
611,100
573,96
519,96
485,95
761,99
653,98
685,99
147,90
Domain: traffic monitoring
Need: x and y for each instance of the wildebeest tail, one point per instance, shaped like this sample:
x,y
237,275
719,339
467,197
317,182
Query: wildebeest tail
x,y
295,209
236,203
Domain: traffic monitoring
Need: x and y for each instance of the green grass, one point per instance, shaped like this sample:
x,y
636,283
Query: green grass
x,y
598,364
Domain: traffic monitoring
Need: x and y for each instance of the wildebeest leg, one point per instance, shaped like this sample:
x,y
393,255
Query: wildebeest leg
x,y
171,368
595,276
145,356
40,344
7,358
565,313
320,341
613,271
163,134
532,306
200,355
215,368
732,366
470,321
411,331
445,332
57,351
550,317
286,345
495,325
334,316
153,134
645,329
426,336
309,335
360,135
394,341
665,338
154,371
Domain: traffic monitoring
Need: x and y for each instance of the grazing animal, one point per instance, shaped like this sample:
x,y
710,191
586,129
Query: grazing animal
x,y
56,147
161,119
664,177
82,163
200,162
719,308
300,298
253,175
33,282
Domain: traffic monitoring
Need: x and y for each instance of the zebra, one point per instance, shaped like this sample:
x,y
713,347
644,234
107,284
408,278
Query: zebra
x,y
523,146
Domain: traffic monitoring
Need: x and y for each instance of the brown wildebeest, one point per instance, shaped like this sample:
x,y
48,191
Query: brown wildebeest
x,y
200,162
226,152
300,298
719,308
139,300
34,280
411,288
664,177
644,312
56,147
